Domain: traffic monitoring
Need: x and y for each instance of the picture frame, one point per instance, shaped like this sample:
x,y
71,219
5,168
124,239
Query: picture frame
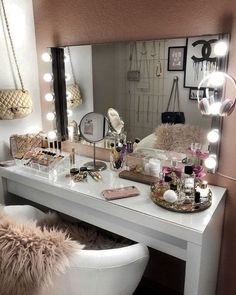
x,y
193,93
204,63
176,58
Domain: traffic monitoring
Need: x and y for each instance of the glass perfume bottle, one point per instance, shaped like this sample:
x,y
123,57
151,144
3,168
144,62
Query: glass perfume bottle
x,y
188,184
188,179
159,188
173,182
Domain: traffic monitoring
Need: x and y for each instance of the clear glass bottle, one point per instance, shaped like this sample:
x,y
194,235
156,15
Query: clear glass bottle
x,y
188,182
159,188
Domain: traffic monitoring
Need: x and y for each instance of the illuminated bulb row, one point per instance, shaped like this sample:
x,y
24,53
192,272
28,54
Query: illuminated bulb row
x,y
46,57
49,77
211,161
49,97
51,115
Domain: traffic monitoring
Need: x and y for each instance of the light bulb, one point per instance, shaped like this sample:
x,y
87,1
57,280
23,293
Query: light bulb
x,y
46,57
213,136
52,135
216,79
221,48
68,95
49,97
69,113
215,108
50,116
67,77
210,162
48,77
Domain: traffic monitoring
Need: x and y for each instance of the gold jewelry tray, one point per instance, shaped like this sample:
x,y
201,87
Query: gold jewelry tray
x,y
183,208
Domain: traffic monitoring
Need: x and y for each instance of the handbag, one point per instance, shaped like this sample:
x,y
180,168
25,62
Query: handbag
x,y
74,99
14,103
133,75
173,117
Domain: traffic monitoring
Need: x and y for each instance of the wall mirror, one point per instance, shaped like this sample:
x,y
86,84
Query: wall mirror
x,y
136,79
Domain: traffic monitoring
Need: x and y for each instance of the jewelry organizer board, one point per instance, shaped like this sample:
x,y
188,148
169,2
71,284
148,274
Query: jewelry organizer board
x,y
142,108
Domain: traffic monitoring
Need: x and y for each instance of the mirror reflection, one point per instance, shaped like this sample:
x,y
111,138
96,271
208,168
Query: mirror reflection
x,y
147,82
136,79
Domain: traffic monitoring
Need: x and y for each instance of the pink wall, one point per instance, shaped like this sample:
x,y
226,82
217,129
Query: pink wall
x,y
87,21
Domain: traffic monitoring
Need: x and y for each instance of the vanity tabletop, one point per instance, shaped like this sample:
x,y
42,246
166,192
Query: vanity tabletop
x,y
89,194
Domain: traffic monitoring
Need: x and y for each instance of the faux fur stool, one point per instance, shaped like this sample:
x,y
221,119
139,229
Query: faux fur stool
x,y
90,272
29,256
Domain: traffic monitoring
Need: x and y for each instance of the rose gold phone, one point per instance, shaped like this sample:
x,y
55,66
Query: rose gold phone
x,y
118,193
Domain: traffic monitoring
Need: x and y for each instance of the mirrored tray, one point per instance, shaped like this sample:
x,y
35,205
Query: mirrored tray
x,y
183,208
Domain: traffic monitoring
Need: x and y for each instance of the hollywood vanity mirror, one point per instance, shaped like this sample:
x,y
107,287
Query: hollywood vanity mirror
x,y
137,79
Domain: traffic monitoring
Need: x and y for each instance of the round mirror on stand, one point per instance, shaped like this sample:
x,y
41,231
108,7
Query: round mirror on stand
x,y
93,127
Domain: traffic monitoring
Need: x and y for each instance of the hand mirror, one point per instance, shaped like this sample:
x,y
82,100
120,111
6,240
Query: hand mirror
x,y
93,127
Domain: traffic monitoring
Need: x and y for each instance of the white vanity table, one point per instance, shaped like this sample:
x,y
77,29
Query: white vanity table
x,y
194,238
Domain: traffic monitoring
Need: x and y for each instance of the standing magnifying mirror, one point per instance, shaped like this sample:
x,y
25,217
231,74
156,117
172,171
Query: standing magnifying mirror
x,y
93,128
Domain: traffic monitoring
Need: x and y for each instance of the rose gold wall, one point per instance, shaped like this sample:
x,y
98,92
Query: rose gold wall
x,y
87,21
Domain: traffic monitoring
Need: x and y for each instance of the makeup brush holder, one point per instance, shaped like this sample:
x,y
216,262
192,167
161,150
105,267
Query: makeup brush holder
x,y
117,159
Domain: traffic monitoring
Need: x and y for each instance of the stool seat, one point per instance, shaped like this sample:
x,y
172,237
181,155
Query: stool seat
x,y
93,272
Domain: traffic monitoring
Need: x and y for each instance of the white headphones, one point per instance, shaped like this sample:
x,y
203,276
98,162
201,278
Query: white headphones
x,y
209,105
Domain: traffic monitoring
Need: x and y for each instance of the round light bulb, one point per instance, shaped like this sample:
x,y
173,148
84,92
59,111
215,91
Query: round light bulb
x,y
213,136
46,57
67,77
221,48
216,79
69,113
215,108
210,162
68,95
50,116
52,135
49,97
48,77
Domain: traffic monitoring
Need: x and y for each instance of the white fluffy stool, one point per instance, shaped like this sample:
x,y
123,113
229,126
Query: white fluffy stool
x,y
93,272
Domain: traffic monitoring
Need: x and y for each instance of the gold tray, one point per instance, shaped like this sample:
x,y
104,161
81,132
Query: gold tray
x,y
183,208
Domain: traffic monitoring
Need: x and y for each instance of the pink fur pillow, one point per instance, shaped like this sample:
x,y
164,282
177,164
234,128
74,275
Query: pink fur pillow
x,y
178,137
30,256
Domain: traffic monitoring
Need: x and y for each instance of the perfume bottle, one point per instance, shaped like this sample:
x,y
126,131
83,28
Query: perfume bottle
x,y
188,184
188,179
173,182
159,188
